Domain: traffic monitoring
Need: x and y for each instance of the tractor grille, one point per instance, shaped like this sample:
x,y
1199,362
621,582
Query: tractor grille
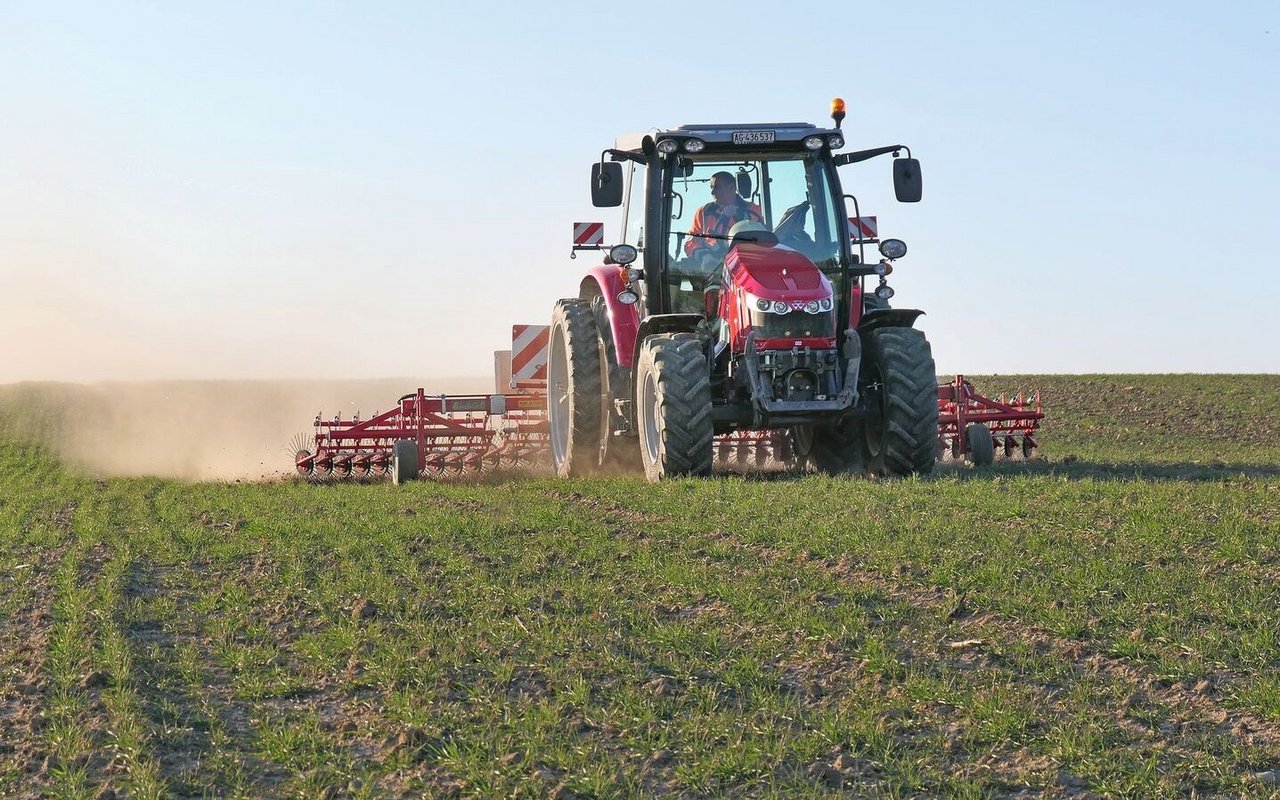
x,y
794,325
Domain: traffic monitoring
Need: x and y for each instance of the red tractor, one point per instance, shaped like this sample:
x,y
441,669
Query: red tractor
x,y
767,329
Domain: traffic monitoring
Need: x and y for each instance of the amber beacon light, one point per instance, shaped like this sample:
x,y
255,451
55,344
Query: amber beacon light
x,y
837,110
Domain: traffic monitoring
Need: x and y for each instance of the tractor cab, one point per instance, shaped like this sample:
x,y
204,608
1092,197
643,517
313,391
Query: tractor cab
x,y
782,175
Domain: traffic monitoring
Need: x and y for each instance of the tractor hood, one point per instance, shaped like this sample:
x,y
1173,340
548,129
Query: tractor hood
x,y
774,272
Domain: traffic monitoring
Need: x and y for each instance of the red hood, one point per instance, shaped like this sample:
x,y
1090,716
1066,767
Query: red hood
x,y
776,273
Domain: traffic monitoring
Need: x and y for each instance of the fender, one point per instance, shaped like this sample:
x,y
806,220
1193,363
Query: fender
x,y
624,320
888,318
664,323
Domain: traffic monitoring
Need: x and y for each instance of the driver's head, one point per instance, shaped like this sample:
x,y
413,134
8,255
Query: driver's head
x,y
724,187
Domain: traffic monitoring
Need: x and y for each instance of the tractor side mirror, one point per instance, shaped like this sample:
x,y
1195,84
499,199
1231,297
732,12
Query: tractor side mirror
x,y
906,180
606,184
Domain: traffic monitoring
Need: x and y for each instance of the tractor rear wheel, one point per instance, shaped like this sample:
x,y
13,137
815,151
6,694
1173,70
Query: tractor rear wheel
x,y
404,462
901,435
673,407
982,448
617,453
574,400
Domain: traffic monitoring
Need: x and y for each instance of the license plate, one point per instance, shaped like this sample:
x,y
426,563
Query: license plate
x,y
753,137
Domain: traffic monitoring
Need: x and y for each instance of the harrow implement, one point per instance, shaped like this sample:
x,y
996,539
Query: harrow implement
x,y
446,436
750,450
974,427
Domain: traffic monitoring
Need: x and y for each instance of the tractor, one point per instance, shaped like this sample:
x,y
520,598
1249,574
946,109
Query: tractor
x,y
771,329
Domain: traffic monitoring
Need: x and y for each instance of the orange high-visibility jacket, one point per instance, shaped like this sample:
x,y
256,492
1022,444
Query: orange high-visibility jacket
x,y
713,219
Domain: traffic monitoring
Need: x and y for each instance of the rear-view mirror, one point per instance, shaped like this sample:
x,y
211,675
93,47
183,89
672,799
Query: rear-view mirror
x,y
906,180
606,184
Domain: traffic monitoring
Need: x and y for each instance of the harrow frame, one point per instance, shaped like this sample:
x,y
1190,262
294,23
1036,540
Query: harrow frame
x,y
453,434
960,406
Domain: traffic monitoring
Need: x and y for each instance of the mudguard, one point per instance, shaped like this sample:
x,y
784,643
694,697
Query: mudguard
x,y
624,320
888,318
664,323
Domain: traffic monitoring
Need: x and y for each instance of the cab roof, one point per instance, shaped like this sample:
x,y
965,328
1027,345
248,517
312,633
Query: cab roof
x,y
722,133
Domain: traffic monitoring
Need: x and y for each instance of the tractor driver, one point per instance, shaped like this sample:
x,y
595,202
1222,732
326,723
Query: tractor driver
x,y
717,217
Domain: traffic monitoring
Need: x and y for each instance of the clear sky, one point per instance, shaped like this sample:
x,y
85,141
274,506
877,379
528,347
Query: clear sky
x,y
307,190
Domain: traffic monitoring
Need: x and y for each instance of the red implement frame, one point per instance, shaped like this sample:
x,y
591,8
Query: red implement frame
x,y
745,451
455,435
1008,420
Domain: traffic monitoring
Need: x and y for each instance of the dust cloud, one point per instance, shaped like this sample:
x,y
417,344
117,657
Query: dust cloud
x,y
196,430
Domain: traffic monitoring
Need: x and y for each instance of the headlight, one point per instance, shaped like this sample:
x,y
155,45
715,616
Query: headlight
x,y
893,248
782,307
835,141
668,146
622,254
884,291
813,142
694,146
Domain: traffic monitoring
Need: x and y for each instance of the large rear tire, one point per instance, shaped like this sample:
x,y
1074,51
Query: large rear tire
x,y
617,453
901,436
574,399
673,407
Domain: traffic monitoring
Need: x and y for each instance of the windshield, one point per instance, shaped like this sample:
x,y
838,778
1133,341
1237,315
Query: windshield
x,y
787,193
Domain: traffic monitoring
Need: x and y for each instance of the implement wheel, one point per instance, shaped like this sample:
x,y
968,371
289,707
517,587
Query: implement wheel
x,y
673,407
982,448
404,462
303,463
574,394
900,437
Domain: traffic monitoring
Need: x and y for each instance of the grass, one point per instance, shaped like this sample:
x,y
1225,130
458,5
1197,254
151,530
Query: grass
x,y
1102,621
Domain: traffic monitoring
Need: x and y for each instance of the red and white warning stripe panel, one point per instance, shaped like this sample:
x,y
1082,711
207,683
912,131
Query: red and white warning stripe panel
x,y
588,234
529,356
862,228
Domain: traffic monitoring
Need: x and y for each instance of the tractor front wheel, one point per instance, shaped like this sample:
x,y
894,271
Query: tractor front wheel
x,y
901,435
673,407
574,401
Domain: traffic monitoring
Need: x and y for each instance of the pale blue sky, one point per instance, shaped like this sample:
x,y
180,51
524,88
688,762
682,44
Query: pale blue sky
x,y
361,190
